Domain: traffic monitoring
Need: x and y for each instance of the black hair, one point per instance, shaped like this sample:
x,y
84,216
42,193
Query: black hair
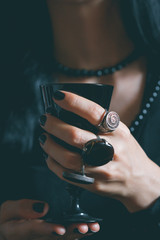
x,y
141,19
28,57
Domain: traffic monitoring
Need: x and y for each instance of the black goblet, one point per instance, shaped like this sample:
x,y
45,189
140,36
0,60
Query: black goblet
x,y
97,93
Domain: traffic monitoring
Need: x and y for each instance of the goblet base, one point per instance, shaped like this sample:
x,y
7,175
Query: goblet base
x,y
78,178
70,218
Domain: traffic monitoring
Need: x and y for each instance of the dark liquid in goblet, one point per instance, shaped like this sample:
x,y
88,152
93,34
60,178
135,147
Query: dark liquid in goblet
x,y
98,93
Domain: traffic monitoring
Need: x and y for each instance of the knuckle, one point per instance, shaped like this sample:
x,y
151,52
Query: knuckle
x,y
72,100
75,137
95,112
108,173
98,187
124,132
71,162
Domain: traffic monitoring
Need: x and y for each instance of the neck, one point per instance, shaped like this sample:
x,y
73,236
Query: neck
x,y
88,33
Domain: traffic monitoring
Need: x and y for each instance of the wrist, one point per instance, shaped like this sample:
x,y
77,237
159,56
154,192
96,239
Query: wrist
x,y
145,190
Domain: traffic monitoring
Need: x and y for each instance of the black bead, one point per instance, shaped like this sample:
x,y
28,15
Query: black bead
x,y
77,72
113,70
119,67
84,72
91,73
106,71
100,72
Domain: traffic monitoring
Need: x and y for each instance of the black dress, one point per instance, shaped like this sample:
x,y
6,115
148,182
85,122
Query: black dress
x,y
24,174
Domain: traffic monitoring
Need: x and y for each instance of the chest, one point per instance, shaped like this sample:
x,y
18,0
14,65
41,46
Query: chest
x,y
127,98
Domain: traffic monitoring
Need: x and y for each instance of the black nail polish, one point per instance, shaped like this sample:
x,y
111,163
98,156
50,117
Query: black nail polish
x,y
38,207
45,156
42,138
58,95
43,120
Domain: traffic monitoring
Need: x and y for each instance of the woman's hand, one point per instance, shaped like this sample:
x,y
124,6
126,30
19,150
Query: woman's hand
x,y
20,220
131,177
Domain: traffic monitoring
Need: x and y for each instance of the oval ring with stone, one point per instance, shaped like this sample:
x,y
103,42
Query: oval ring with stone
x,y
97,152
110,121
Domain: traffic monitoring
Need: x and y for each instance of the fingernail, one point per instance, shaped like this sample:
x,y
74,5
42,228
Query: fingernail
x,y
76,230
43,120
45,156
38,207
42,139
58,95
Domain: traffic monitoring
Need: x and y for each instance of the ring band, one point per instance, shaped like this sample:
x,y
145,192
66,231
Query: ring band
x,y
110,121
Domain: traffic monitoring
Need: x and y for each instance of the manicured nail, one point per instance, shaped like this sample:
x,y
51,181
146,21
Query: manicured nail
x,y
43,120
45,156
76,230
58,95
42,139
38,207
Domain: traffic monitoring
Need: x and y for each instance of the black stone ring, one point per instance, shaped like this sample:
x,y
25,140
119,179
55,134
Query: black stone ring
x,y
97,152
109,122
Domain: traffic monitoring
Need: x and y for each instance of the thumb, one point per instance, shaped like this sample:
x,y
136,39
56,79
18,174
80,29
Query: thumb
x,y
22,209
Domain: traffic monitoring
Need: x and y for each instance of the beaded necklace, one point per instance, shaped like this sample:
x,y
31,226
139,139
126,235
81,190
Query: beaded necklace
x,y
110,70
60,68
145,110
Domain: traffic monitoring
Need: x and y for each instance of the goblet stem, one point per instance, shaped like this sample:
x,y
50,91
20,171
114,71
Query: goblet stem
x,y
75,194
75,213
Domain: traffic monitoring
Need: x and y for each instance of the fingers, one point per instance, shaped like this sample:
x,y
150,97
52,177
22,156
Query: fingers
x,y
31,229
38,229
64,157
78,231
94,227
84,228
22,209
82,107
104,176
70,134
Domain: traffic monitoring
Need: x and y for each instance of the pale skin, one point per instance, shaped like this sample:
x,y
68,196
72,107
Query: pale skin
x,y
19,221
129,177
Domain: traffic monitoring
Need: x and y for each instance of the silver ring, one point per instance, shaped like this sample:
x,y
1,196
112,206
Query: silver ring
x,y
110,121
